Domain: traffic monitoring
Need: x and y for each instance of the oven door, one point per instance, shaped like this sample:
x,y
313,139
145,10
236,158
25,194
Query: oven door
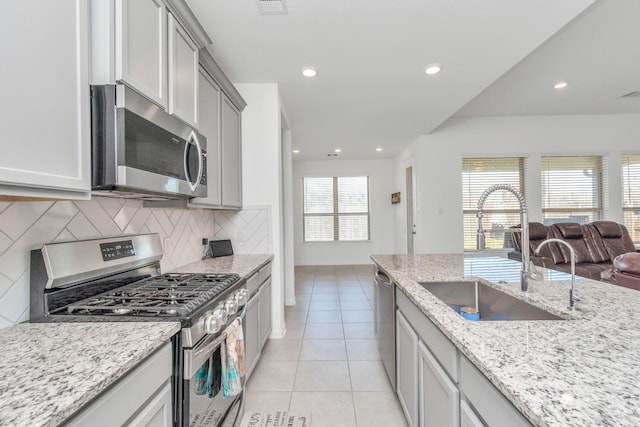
x,y
203,402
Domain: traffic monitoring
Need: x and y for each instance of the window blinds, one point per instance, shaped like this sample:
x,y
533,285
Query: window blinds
x,y
501,209
631,194
571,189
336,209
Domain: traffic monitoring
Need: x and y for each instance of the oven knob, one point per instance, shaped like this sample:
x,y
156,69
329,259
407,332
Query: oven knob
x,y
242,296
231,306
221,315
211,325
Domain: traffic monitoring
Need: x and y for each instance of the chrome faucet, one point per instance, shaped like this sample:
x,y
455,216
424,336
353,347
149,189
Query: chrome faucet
x,y
573,298
525,273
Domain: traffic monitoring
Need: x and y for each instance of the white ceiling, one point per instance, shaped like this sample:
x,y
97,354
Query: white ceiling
x,y
598,54
371,90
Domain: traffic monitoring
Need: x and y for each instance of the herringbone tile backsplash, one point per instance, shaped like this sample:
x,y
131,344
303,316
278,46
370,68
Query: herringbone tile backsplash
x,y
27,225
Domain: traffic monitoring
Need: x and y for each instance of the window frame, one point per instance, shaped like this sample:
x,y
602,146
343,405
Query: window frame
x,y
627,179
336,215
596,212
487,212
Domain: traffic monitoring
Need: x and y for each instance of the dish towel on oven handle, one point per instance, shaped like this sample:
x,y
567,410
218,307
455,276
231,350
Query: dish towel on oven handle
x,y
233,360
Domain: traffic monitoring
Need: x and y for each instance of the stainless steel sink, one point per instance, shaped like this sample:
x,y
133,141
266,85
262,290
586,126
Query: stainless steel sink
x,y
492,303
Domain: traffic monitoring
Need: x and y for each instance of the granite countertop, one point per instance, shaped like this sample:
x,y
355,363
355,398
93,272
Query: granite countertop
x,y
583,371
244,265
48,371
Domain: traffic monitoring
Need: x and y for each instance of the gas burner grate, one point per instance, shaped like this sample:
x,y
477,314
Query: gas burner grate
x,y
165,295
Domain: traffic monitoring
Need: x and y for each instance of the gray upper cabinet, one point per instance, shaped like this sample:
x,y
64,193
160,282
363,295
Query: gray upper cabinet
x,y
209,102
45,125
141,44
231,155
183,74
141,50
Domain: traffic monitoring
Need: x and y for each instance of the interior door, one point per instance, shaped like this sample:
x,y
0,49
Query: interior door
x,y
411,227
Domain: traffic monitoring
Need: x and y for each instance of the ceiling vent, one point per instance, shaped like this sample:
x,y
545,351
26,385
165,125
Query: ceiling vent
x,y
634,94
272,7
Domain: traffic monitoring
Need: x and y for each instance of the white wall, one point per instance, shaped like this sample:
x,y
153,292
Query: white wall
x,y
438,163
381,185
262,176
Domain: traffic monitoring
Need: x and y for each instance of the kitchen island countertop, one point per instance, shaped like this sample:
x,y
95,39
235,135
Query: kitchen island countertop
x,y
583,371
48,371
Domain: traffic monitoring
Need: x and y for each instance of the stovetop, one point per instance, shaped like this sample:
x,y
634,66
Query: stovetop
x,y
166,295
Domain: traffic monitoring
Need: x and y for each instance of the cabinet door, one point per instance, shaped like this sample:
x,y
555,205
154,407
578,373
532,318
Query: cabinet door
x,y
141,47
265,312
209,101
231,155
407,368
252,333
468,418
45,122
157,413
439,396
183,74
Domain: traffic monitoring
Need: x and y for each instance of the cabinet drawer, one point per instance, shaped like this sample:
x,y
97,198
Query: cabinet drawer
x,y
264,273
487,400
253,282
443,349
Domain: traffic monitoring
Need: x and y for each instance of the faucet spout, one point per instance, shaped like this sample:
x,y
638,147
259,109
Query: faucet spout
x,y
572,295
525,273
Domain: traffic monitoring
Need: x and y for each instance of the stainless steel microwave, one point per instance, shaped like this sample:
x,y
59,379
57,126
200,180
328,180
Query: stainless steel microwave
x,y
140,151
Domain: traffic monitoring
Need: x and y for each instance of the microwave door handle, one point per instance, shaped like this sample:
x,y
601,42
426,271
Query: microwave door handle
x,y
193,139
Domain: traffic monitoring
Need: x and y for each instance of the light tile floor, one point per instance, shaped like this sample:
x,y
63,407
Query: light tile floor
x,y
328,364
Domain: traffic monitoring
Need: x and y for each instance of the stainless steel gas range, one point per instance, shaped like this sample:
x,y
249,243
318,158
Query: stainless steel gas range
x,y
118,280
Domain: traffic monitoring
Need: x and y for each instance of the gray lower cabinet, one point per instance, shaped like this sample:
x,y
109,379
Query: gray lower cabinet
x,y
252,333
258,317
141,398
407,368
439,396
468,418
437,384
265,311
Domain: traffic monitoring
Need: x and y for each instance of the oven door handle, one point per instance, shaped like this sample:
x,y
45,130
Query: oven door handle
x,y
198,356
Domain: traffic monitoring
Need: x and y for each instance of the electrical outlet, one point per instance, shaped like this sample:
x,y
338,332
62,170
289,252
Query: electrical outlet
x,y
241,237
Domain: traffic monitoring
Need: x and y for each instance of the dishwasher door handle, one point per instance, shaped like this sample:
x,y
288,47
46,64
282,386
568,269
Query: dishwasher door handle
x,y
380,276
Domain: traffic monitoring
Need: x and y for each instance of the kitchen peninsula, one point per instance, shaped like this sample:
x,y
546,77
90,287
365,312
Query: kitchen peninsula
x,y
575,372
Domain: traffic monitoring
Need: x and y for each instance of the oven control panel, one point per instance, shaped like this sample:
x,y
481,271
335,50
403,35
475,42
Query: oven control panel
x,y
117,250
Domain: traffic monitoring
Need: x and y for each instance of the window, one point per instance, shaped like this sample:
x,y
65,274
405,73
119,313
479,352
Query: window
x,y
336,209
631,195
571,189
501,209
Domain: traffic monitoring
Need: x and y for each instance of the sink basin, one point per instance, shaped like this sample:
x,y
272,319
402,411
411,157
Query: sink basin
x,y
493,304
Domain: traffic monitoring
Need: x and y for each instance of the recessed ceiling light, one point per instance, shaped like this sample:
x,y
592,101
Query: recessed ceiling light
x,y
337,150
378,149
309,72
296,151
560,85
433,69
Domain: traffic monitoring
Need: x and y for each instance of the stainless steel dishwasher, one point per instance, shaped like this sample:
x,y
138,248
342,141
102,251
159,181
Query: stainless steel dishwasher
x,y
384,324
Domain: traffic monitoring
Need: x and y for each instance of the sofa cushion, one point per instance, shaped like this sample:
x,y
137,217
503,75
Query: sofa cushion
x,y
572,234
615,238
570,230
629,263
608,229
595,245
537,231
